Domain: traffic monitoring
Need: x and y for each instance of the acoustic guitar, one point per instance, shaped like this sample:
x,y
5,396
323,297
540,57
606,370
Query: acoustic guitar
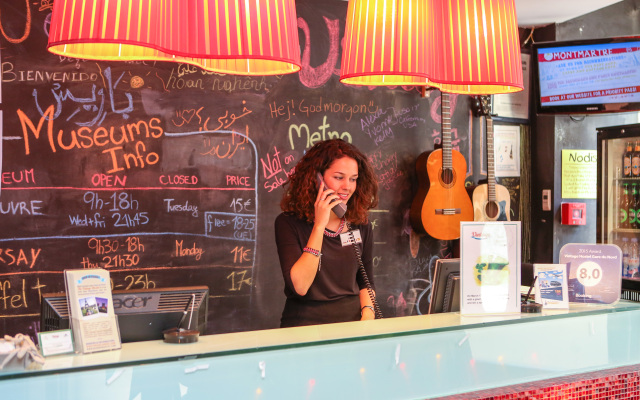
x,y
491,202
439,209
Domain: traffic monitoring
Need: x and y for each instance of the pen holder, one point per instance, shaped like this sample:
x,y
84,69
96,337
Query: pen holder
x,y
179,335
530,307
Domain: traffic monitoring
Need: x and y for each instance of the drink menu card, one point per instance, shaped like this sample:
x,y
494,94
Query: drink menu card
x,y
594,272
91,313
490,256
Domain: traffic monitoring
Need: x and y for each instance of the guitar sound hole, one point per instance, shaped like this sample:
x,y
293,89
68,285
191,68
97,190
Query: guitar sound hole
x,y
447,177
492,209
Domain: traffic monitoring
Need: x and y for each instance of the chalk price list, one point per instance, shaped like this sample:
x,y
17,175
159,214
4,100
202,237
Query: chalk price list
x,y
118,210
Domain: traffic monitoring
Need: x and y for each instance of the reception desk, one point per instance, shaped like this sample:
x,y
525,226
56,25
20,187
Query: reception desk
x,y
396,358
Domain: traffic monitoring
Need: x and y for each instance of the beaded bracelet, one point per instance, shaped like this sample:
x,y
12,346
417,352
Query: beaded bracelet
x,y
312,251
315,253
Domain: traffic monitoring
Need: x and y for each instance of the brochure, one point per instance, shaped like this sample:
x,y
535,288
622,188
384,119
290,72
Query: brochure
x,y
91,313
551,285
490,255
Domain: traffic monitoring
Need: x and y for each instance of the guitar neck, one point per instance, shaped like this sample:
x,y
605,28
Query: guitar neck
x,y
447,162
491,176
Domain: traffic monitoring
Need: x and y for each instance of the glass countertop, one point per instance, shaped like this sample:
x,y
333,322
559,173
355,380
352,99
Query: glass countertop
x,y
285,338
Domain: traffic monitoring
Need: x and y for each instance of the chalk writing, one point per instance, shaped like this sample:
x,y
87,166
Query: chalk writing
x,y
178,81
240,205
172,207
85,138
315,77
27,26
131,282
185,116
290,107
191,251
238,280
35,76
13,177
108,181
13,298
94,105
223,148
231,226
386,167
32,207
149,169
12,257
240,254
437,104
380,125
302,131
272,171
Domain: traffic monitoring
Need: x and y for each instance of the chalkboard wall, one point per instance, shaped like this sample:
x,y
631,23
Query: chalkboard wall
x,y
170,176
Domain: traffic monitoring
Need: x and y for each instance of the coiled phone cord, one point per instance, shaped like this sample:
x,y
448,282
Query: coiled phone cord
x,y
376,307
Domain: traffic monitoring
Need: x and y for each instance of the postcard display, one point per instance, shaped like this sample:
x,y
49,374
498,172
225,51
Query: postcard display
x,y
551,285
490,267
91,312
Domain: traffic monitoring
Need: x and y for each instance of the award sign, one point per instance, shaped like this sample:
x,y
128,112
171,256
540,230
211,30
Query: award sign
x,y
594,272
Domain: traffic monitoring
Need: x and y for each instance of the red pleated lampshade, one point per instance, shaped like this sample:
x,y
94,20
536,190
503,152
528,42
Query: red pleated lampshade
x,y
474,47
247,37
385,43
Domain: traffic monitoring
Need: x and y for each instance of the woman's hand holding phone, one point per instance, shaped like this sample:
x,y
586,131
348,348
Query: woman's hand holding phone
x,y
324,203
337,206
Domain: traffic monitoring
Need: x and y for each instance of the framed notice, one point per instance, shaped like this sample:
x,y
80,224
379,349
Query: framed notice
x,y
514,107
490,255
506,150
91,311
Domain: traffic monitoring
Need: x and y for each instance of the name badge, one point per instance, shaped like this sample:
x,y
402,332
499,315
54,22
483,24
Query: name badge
x,y
345,238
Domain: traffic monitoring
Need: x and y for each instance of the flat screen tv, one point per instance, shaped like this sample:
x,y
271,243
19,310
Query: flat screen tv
x,y
587,76
142,314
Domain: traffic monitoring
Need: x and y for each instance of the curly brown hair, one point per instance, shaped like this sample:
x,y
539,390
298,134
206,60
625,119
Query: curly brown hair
x,y
301,188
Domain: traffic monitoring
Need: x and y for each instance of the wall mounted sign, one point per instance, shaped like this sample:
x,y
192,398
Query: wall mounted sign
x,y
579,174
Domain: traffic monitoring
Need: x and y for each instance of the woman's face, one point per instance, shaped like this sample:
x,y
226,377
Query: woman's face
x,y
341,177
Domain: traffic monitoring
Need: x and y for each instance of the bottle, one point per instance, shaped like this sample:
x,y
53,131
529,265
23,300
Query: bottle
x,y
635,201
624,207
626,161
635,161
634,258
632,217
625,255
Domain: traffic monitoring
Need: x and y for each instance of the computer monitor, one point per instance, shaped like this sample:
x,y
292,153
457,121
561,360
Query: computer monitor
x,y
142,313
445,288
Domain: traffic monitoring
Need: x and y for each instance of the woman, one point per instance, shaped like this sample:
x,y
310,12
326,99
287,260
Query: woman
x,y
322,282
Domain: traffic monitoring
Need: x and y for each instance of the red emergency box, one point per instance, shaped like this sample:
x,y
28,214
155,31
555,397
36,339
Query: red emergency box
x,y
574,213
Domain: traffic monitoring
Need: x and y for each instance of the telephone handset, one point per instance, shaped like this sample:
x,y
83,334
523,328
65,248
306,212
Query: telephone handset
x,y
340,208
